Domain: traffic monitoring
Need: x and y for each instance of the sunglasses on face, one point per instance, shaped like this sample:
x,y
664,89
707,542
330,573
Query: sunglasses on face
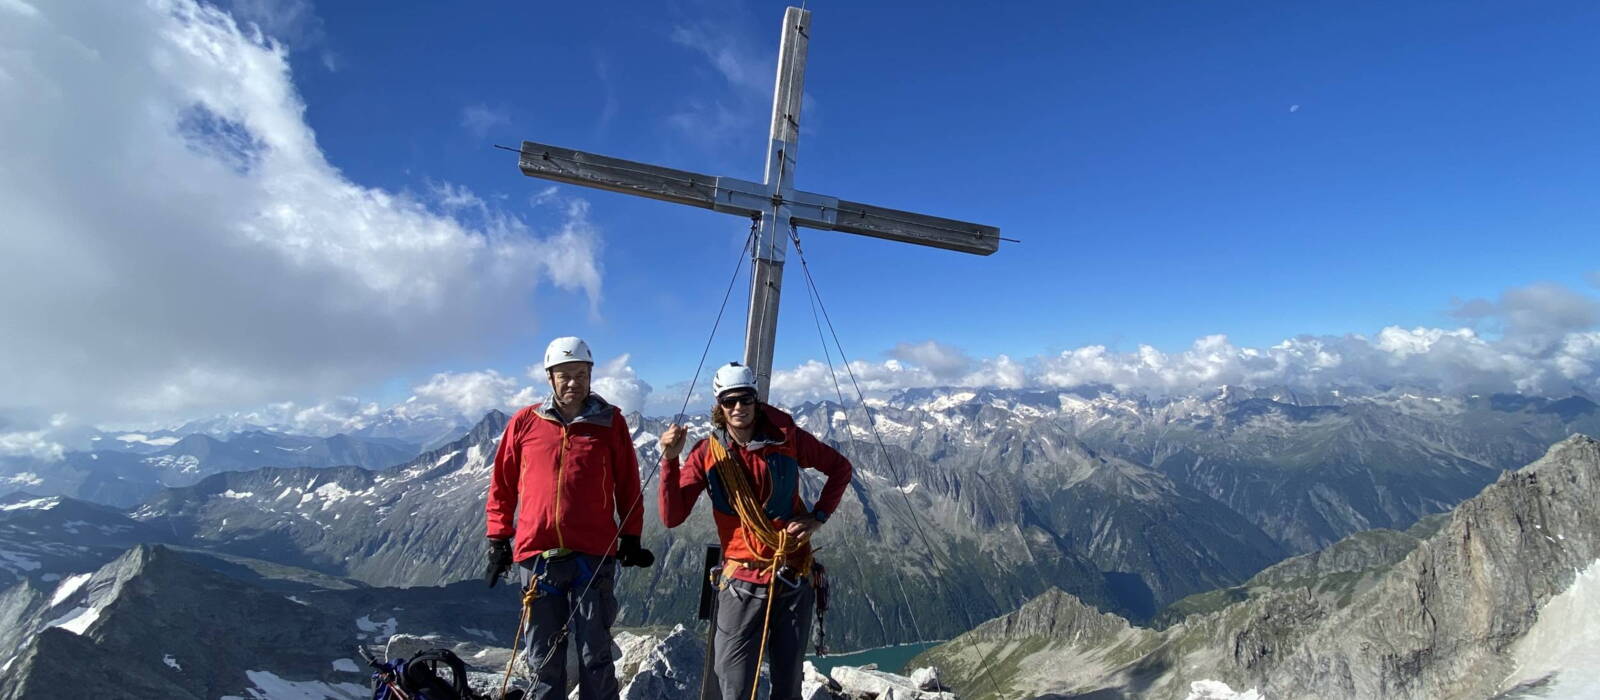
x,y
739,400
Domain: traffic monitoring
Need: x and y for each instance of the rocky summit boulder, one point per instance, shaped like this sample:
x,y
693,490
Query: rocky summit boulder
x,y
669,666
867,683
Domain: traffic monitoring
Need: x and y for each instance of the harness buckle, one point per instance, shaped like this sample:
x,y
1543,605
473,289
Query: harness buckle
x,y
788,575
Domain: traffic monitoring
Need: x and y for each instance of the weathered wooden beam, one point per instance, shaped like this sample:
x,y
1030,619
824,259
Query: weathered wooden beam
x,y
618,175
772,239
909,227
789,87
746,198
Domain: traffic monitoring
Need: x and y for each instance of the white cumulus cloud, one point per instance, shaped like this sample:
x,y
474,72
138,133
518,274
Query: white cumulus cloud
x,y
619,384
468,393
1537,339
944,361
38,444
176,242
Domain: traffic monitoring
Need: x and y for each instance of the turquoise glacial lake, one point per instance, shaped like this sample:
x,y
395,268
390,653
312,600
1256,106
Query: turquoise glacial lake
x,y
892,659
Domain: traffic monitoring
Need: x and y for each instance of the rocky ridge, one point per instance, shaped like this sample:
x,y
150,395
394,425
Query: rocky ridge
x,y
1439,618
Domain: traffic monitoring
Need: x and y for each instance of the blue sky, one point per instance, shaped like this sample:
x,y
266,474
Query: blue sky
x,y
1174,170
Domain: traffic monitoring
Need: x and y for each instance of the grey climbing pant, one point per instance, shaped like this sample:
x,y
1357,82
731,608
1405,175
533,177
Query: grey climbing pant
x,y
741,607
563,581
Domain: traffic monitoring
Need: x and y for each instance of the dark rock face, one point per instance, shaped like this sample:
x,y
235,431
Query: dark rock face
x,y
114,631
1439,624
1380,614
45,538
158,622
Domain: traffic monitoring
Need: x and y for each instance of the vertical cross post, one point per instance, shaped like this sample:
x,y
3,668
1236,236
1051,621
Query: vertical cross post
x,y
772,237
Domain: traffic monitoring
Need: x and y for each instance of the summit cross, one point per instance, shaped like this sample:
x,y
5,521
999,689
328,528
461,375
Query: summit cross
x,y
774,204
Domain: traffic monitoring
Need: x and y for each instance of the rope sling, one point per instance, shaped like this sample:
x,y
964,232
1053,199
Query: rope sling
x,y
755,524
530,594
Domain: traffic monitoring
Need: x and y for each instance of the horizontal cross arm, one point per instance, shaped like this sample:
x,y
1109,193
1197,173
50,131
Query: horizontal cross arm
x,y
903,226
618,175
735,196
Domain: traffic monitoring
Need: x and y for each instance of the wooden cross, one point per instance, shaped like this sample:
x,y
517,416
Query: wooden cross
x,y
775,203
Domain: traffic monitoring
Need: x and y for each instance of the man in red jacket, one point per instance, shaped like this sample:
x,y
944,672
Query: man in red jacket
x,y
564,475
751,465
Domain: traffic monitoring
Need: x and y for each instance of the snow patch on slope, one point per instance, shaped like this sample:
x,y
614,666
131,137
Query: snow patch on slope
x,y
1217,690
330,493
65,589
35,504
1558,652
384,630
945,403
77,621
146,440
269,686
24,479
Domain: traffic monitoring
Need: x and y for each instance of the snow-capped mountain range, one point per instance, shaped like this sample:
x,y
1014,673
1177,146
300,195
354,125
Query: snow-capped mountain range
x,y
976,502
1130,504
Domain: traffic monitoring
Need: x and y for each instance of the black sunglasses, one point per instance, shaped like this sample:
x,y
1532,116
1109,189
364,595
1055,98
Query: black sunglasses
x,y
737,400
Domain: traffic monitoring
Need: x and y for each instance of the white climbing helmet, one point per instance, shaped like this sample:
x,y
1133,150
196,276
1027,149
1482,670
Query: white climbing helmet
x,y
567,349
733,376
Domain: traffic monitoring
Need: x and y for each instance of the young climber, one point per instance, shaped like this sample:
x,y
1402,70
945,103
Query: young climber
x,y
564,475
751,465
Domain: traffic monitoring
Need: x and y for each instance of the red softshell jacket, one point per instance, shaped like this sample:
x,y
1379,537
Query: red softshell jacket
x,y
565,486
773,460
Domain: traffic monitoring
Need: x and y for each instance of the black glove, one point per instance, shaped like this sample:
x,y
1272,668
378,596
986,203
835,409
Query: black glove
x,y
499,561
629,553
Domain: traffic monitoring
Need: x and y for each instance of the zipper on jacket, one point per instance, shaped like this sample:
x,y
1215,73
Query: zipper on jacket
x,y
561,459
